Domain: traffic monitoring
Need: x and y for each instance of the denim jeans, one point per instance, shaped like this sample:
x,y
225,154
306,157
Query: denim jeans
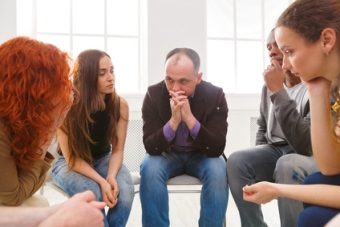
x,y
73,182
317,216
278,164
156,170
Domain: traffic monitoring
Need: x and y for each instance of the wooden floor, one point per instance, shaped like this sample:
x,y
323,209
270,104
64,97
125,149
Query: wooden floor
x,y
184,210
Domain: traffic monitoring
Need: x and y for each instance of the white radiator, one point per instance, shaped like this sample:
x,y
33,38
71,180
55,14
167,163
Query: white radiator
x,y
134,148
253,130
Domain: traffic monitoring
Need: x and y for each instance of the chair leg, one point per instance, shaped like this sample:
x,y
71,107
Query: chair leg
x,y
225,222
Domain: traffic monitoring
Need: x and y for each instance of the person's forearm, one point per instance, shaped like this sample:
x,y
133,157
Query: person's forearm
x,y
307,194
173,124
115,163
295,126
325,145
191,122
85,169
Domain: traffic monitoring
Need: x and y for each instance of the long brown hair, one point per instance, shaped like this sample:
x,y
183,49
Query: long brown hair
x,y
33,75
309,18
76,125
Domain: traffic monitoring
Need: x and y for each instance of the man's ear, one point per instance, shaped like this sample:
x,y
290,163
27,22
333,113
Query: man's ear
x,y
199,77
328,39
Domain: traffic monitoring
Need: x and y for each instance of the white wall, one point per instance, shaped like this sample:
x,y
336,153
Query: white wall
x,y
171,24
8,20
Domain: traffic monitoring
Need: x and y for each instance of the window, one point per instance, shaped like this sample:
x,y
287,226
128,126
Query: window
x,y
77,25
236,41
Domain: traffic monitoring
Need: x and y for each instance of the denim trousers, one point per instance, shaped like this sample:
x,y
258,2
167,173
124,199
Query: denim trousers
x,y
317,216
278,164
73,182
156,170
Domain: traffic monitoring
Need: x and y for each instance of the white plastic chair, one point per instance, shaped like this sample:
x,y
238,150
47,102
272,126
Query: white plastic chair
x,y
186,180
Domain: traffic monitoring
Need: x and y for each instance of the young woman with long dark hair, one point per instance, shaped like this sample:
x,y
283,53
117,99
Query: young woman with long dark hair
x,y
92,139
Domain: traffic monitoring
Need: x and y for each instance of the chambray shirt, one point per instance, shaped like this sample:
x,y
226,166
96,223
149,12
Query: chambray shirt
x,y
182,133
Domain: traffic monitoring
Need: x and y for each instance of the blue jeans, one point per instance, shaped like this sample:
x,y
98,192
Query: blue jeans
x,y
315,216
278,164
73,182
156,170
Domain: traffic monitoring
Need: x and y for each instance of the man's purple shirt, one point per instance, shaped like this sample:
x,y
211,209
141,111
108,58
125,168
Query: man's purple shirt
x,y
181,134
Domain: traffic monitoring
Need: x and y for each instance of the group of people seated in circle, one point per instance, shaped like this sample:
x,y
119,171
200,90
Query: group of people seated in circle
x,y
45,95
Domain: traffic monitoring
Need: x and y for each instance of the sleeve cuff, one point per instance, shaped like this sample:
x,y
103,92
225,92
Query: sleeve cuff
x,y
194,131
49,157
169,134
280,97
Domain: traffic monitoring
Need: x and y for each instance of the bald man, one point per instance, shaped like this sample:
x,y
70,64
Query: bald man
x,y
184,132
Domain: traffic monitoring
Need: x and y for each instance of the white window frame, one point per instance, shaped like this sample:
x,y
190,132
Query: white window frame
x,y
141,37
263,40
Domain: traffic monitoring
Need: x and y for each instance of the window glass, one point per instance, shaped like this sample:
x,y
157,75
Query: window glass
x,y
24,18
236,61
88,17
61,41
249,66
53,16
122,17
273,9
266,56
249,19
220,18
77,25
81,43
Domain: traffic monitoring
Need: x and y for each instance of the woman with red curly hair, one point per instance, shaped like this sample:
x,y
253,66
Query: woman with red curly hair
x,y
35,95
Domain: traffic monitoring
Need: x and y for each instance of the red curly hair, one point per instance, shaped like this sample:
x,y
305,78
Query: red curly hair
x,y
33,76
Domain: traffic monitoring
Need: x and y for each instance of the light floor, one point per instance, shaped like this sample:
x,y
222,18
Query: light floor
x,y
184,209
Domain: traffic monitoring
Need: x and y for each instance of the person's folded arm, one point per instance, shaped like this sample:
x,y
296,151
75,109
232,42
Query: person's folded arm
x,y
16,185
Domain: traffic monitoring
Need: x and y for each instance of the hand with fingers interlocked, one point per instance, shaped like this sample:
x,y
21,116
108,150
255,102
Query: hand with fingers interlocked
x,y
180,110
